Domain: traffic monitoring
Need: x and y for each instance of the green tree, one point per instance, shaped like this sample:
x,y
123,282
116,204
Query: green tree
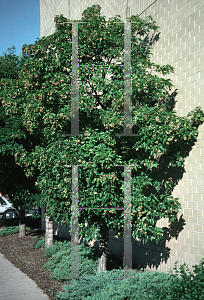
x,y
42,97
12,176
10,63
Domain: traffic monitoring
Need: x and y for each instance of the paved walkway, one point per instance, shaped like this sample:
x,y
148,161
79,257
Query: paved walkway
x,y
15,285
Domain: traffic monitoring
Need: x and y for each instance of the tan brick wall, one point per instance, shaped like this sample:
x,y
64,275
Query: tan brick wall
x,y
73,9
181,44
48,10
182,26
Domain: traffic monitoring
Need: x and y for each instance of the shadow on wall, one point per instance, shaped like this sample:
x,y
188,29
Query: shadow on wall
x,y
149,255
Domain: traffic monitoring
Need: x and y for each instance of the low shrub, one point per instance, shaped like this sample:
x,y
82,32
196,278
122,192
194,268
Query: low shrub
x,y
190,285
56,247
60,260
40,244
151,285
112,285
9,230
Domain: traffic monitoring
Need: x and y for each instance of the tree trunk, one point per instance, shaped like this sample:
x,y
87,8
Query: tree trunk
x,y
48,232
39,220
103,251
22,225
39,210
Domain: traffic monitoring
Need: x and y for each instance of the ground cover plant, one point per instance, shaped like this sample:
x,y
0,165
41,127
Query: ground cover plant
x,y
9,230
41,99
60,259
20,189
30,256
112,284
146,285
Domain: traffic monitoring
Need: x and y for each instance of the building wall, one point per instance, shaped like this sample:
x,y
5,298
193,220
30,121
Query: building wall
x,y
73,9
181,44
48,10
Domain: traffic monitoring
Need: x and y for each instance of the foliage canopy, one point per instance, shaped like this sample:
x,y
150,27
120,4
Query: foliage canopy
x,y
41,100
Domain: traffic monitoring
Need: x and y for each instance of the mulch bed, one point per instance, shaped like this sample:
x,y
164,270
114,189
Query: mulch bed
x,y
20,252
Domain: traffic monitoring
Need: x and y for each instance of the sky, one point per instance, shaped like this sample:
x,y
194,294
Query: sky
x,y
19,24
